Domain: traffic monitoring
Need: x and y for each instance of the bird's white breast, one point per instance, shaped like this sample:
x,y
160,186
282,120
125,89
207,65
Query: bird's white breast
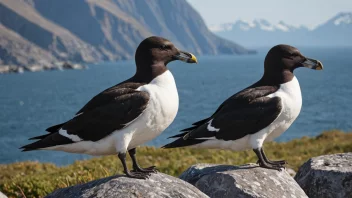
x,y
291,98
161,110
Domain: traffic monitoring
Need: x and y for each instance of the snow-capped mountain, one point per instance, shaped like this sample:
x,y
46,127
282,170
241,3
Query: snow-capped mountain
x,y
335,32
342,19
260,24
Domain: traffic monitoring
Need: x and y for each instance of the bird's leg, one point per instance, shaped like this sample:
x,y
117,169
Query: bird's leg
x,y
138,175
263,163
136,167
280,162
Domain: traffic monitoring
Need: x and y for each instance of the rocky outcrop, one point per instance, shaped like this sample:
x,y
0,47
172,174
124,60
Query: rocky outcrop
x,y
21,17
11,69
327,176
15,50
242,181
35,68
2,195
158,185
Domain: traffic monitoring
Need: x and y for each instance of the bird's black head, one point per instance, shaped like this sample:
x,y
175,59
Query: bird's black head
x,y
283,59
154,53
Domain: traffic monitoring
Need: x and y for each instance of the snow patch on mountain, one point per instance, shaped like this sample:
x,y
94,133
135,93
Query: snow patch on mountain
x,y
260,24
343,18
336,31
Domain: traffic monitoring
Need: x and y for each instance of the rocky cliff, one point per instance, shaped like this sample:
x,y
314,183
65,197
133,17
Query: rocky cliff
x,y
104,30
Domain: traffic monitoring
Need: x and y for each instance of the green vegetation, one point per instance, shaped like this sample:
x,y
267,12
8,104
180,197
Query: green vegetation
x,y
34,179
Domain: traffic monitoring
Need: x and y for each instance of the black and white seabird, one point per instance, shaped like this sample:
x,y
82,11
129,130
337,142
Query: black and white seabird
x,y
257,114
126,115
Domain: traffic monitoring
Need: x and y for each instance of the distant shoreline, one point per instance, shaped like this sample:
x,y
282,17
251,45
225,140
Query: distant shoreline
x,y
5,69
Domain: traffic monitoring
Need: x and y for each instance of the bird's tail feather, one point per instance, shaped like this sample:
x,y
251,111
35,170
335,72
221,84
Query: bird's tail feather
x,y
179,135
189,129
39,137
55,128
196,125
49,140
180,142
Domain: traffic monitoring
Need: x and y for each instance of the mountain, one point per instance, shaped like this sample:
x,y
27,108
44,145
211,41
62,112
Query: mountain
x,y
99,30
336,31
20,51
258,33
260,24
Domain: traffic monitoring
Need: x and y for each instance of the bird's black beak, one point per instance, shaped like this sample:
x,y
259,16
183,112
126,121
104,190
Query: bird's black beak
x,y
312,64
185,57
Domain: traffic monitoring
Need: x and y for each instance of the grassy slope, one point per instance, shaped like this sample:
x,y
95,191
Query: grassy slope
x,y
35,179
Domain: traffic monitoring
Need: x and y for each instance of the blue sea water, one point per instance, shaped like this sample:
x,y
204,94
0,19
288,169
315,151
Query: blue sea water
x,y
31,102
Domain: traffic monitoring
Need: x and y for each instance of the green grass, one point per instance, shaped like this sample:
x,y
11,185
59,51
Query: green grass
x,y
34,179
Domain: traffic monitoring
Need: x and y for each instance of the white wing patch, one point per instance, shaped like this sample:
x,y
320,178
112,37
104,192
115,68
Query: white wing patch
x,y
74,138
206,138
211,128
79,114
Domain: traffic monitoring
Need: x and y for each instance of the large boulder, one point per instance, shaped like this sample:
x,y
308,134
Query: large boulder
x,y
158,185
327,176
242,181
2,195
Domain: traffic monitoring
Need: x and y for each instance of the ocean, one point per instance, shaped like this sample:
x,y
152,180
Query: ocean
x,y
31,102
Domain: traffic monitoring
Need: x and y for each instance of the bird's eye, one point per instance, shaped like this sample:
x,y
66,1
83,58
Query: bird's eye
x,y
163,47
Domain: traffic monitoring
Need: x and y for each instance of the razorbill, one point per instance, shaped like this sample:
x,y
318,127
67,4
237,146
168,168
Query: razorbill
x,y
126,115
257,114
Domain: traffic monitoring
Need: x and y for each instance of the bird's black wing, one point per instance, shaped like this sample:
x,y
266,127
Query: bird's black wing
x,y
244,113
109,95
102,98
96,123
110,110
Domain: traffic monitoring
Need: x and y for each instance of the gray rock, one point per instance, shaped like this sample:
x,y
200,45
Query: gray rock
x,y
291,172
34,68
327,176
2,195
5,69
158,185
68,65
242,181
10,69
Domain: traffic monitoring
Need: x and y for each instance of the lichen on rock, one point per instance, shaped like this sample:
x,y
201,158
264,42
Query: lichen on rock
x,y
242,181
327,176
158,185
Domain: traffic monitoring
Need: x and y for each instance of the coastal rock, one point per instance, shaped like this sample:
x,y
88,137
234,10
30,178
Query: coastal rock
x,y
5,69
34,68
11,69
291,172
327,176
242,181
158,185
2,195
67,65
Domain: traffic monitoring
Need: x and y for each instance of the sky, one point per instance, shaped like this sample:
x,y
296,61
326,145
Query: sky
x,y
294,12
